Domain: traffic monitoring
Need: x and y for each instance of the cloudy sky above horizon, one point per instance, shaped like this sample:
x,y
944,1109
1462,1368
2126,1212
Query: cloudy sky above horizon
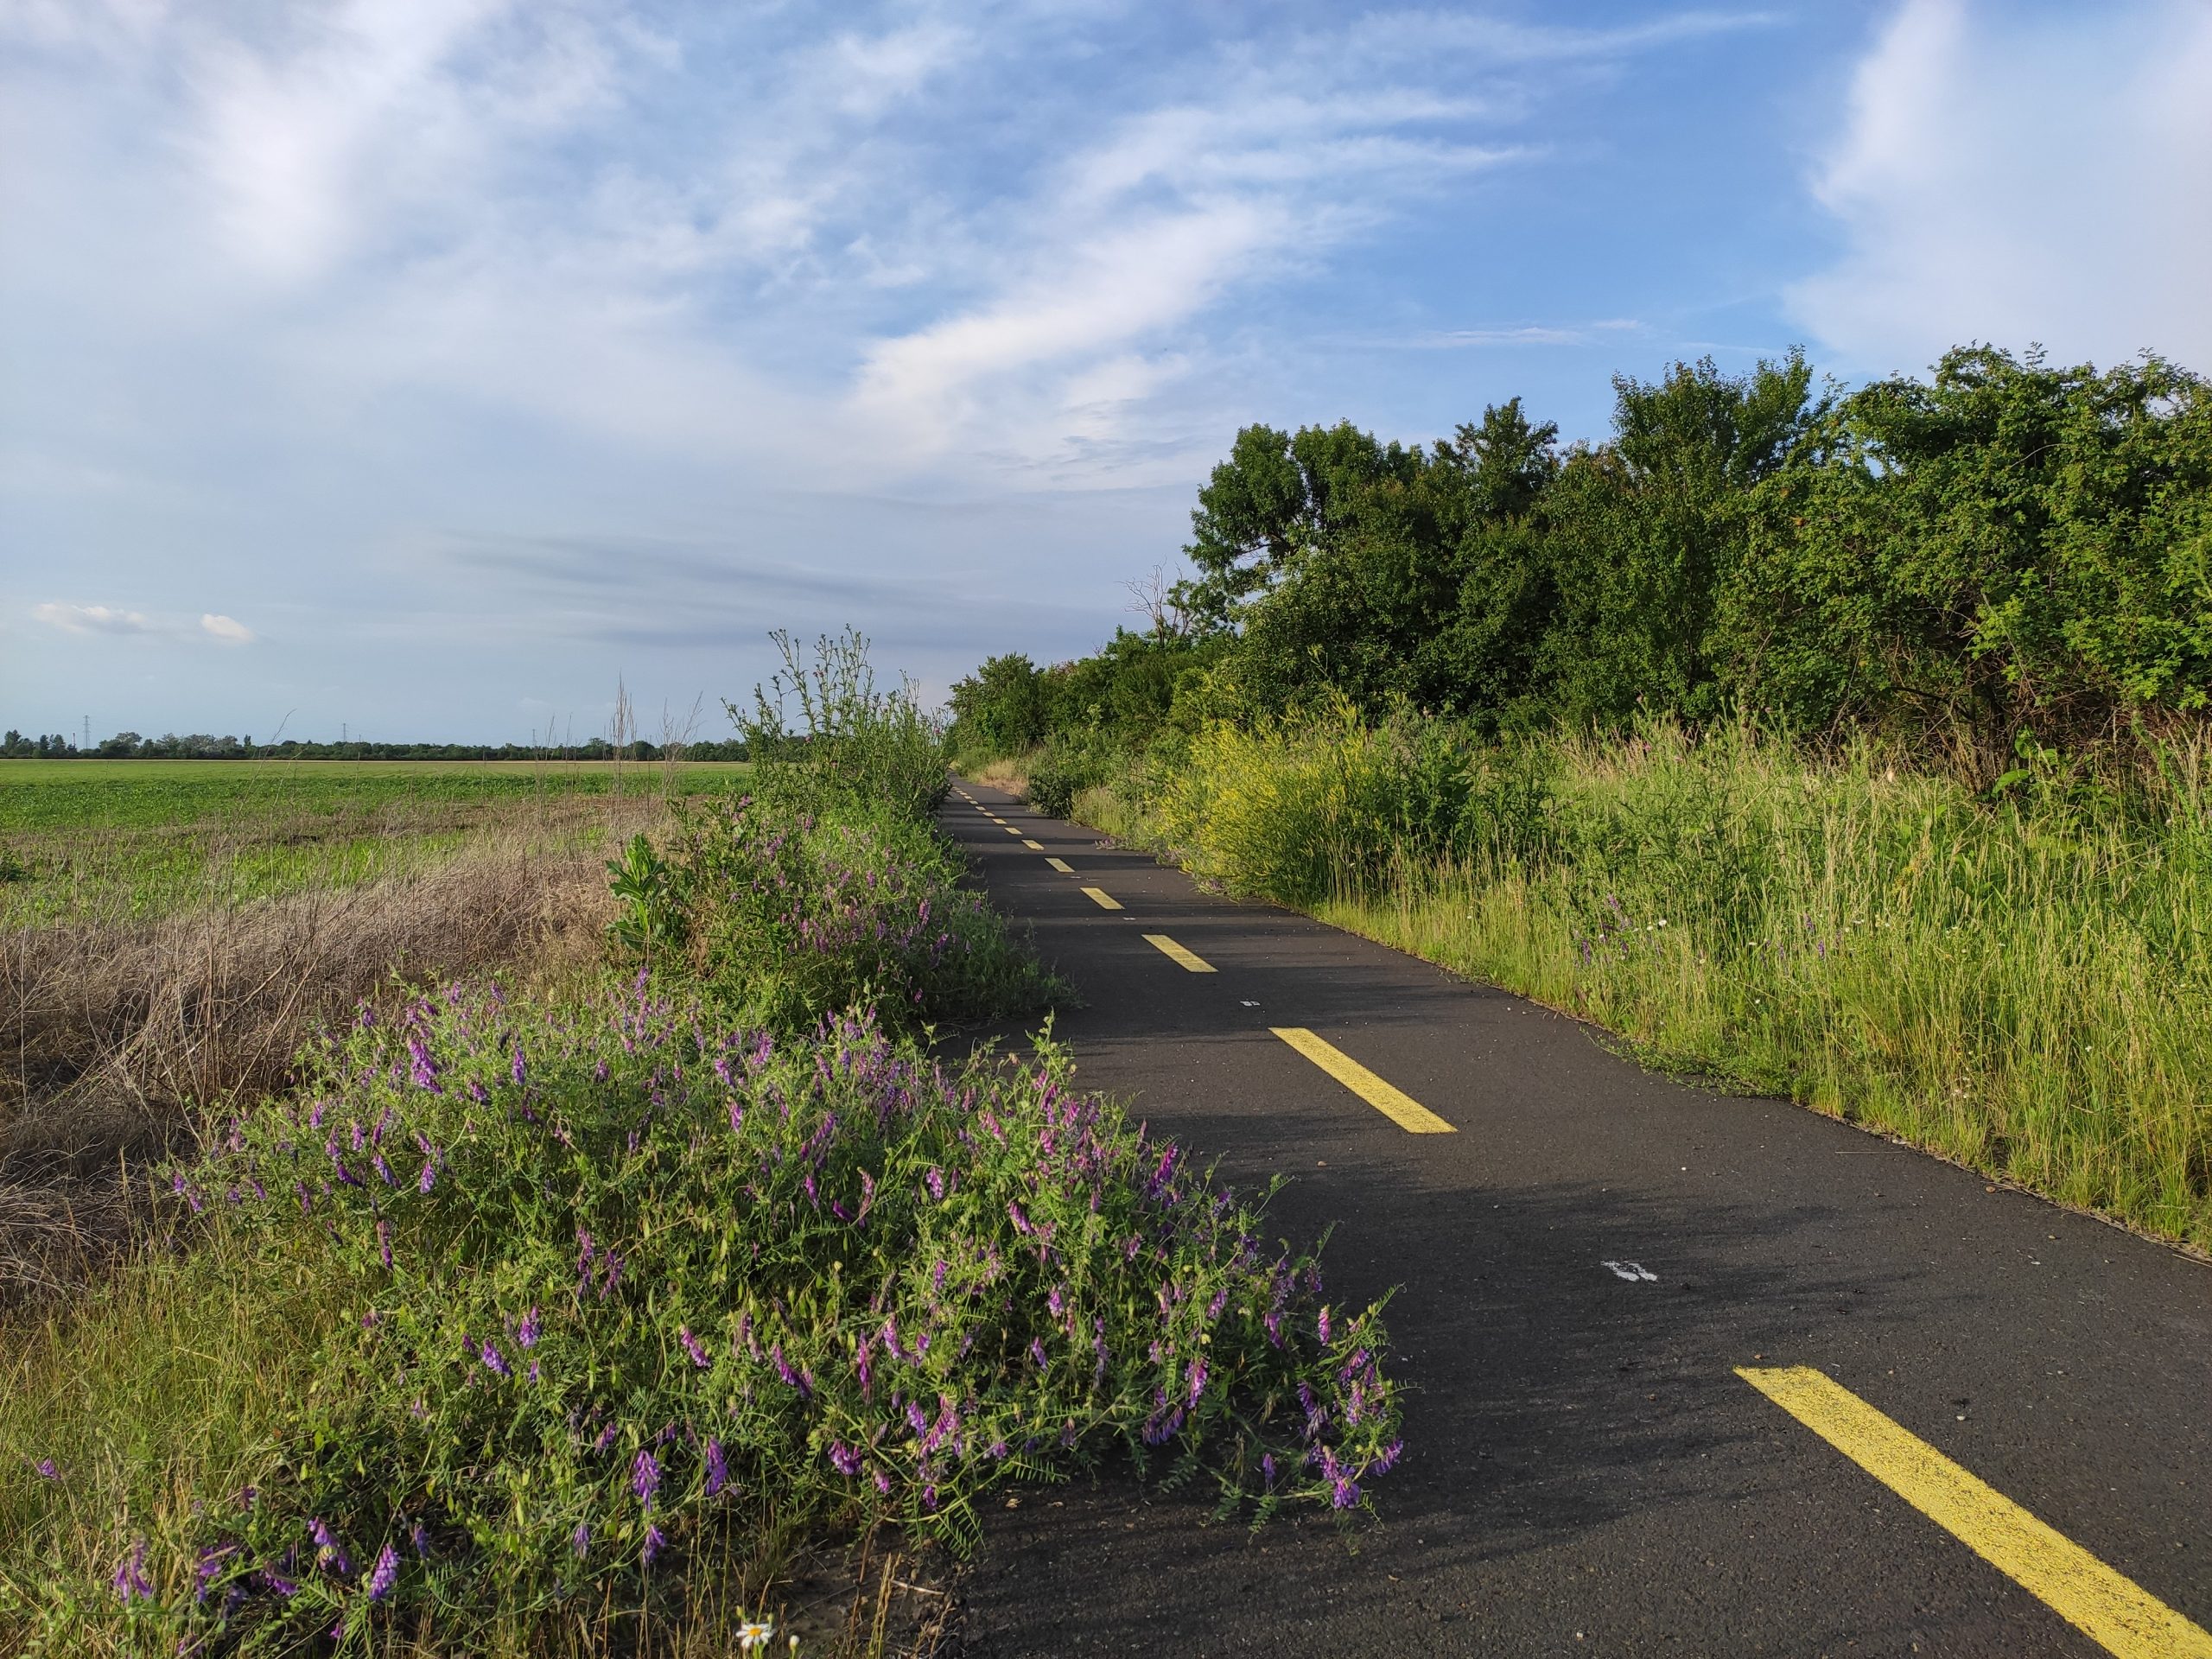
x,y
425,364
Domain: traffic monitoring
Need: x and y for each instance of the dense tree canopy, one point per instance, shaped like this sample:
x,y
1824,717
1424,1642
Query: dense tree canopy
x,y
2002,549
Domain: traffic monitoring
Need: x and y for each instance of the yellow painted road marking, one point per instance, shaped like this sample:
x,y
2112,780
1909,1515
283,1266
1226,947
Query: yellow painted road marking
x,y
1175,952
2111,1610
1034,846
1061,865
1010,830
1104,901
1392,1101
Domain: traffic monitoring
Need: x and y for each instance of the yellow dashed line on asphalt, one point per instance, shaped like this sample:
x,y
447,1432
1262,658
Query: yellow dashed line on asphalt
x,y
1034,846
1061,865
2110,1610
1392,1101
1175,952
1104,900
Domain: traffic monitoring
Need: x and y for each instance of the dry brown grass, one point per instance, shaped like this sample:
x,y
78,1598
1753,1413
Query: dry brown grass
x,y
1011,774
119,1039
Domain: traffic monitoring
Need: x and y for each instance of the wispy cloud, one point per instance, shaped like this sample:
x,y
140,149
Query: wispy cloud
x,y
2016,176
1587,333
93,619
323,298
116,620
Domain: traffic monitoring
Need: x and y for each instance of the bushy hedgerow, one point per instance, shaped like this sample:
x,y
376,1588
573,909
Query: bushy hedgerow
x,y
617,1281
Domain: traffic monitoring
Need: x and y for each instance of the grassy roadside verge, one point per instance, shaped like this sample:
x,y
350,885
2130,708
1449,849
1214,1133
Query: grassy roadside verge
x,y
546,1323
2022,990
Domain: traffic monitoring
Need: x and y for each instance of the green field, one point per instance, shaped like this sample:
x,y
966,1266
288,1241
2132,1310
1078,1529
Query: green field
x,y
117,840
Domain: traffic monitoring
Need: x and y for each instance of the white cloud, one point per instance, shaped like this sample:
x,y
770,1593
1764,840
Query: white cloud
x,y
343,274
113,620
305,139
2014,177
1100,296
93,619
1128,240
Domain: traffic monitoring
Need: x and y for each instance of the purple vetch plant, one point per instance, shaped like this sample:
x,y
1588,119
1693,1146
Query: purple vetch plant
x,y
788,914
828,1273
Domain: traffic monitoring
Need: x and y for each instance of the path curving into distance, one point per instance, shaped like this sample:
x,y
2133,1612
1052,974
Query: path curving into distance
x,y
1692,1373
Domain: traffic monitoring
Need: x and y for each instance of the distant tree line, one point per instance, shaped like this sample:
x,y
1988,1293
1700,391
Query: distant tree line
x,y
198,746
2006,553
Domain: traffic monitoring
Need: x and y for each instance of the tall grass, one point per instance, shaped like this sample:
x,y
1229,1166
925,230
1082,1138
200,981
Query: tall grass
x,y
117,1036
2023,988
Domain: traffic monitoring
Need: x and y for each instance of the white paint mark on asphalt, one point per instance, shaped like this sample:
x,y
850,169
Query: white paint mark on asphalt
x,y
1634,1272
1248,1001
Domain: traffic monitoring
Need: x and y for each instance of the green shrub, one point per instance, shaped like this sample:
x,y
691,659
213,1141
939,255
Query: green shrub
x,y
1055,779
787,915
854,745
1298,809
600,1287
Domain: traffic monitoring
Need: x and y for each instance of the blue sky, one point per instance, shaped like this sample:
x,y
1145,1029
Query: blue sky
x,y
425,364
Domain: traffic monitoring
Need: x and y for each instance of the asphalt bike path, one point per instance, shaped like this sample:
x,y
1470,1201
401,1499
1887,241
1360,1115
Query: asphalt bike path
x,y
1689,1373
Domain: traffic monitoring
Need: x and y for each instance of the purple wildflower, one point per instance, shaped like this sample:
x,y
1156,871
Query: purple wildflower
x,y
644,1478
579,1540
493,1360
520,1070
419,1537
717,1470
526,1332
46,1469
1321,1325
328,1552
130,1581
844,1458
699,1354
792,1378
384,1242
1343,1491
384,1574
654,1539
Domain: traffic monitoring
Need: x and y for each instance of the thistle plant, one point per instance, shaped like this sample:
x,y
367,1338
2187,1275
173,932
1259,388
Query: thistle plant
x,y
625,1280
